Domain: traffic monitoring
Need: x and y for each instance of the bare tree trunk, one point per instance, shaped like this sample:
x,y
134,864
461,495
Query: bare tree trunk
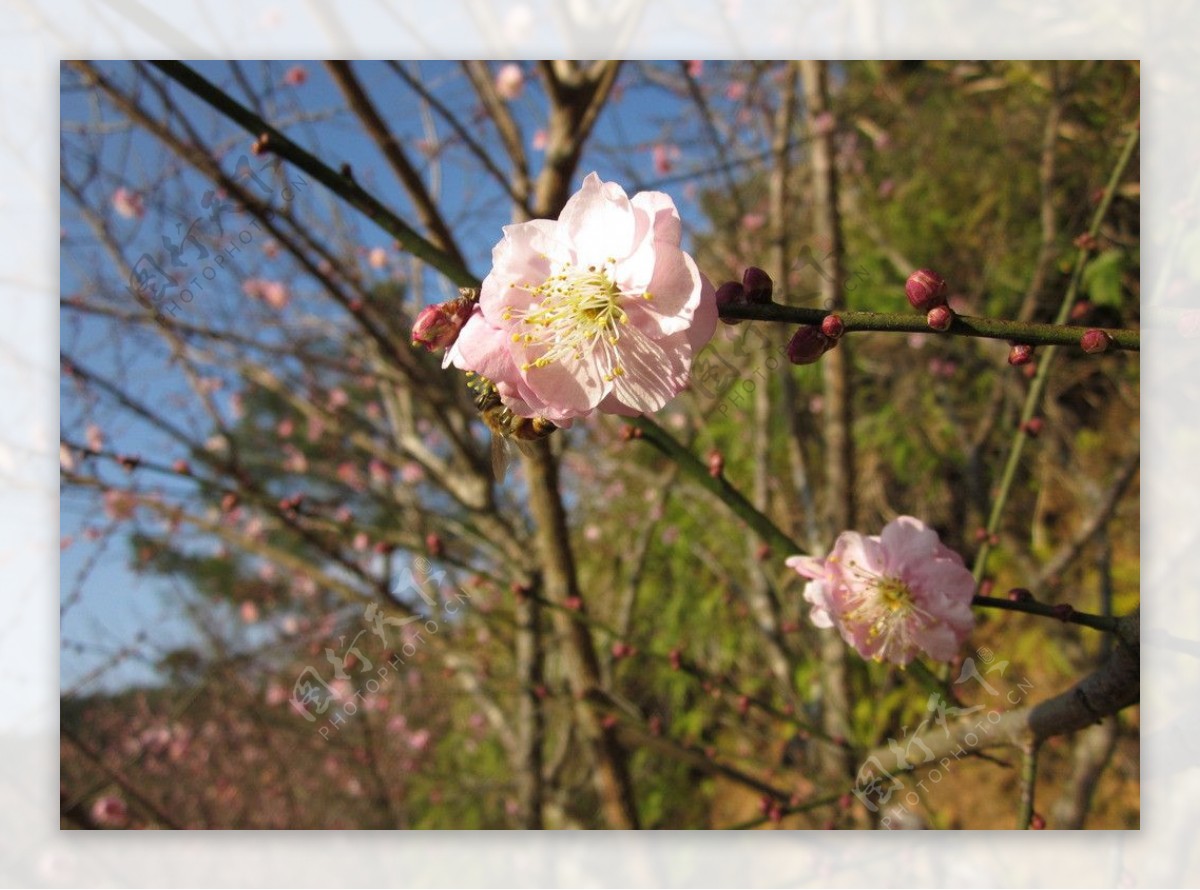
x,y
839,443
531,720
613,783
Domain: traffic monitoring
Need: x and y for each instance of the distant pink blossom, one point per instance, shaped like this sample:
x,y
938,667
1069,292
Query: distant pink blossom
x,y
128,203
539,140
752,222
599,310
295,76
338,398
892,595
411,473
119,505
273,293
665,157
735,91
248,612
419,740
510,81
95,437
377,258
380,473
695,67
110,810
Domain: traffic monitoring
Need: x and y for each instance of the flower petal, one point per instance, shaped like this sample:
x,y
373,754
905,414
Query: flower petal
x,y
598,221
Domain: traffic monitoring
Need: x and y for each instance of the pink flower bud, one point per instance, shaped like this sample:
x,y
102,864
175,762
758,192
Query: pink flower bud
x,y
758,285
1020,595
731,293
807,345
925,289
940,318
1020,354
1037,822
1094,341
832,326
1033,427
434,546
437,326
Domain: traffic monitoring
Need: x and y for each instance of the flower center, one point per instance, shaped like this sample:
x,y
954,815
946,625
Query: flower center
x,y
576,311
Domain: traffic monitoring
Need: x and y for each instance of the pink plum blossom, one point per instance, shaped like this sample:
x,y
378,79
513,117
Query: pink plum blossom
x,y
510,81
295,76
599,310
377,258
892,595
539,140
128,203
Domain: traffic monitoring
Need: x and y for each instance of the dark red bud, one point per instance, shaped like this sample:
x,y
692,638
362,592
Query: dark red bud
x,y
609,721
1020,354
1080,310
629,431
832,327
573,603
845,801
939,318
1037,822
986,585
1020,595
776,814
1094,341
1033,427
716,464
981,535
676,659
1064,612
758,285
925,289
434,546
807,345
743,705
1086,241
731,293
621,650
656,726
182,467
763,552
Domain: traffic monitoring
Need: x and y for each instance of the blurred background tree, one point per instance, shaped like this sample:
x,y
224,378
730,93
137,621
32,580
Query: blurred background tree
x,y
293,594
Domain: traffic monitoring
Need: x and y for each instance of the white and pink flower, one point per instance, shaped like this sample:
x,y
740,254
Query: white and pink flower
x,y
599,310
892,595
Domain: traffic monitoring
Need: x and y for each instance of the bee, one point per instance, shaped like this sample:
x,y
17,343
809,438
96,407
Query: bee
x,y
507,428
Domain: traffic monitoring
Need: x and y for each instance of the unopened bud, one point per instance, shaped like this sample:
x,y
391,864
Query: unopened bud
x,y
1094,340
1064,612
807,345
1037,822
434,546
925,289
743,705
608,721
676,659
758,285
1033,427
1080,310
986,586
1020,354
1086,241
573,603
621,650
1020,595
762,552
656,725
437,326
939,318
182,467
776,814
716,464
832,326
731,293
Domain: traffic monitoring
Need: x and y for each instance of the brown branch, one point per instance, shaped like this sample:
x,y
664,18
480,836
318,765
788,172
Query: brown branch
x,y
1115,685
361,104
